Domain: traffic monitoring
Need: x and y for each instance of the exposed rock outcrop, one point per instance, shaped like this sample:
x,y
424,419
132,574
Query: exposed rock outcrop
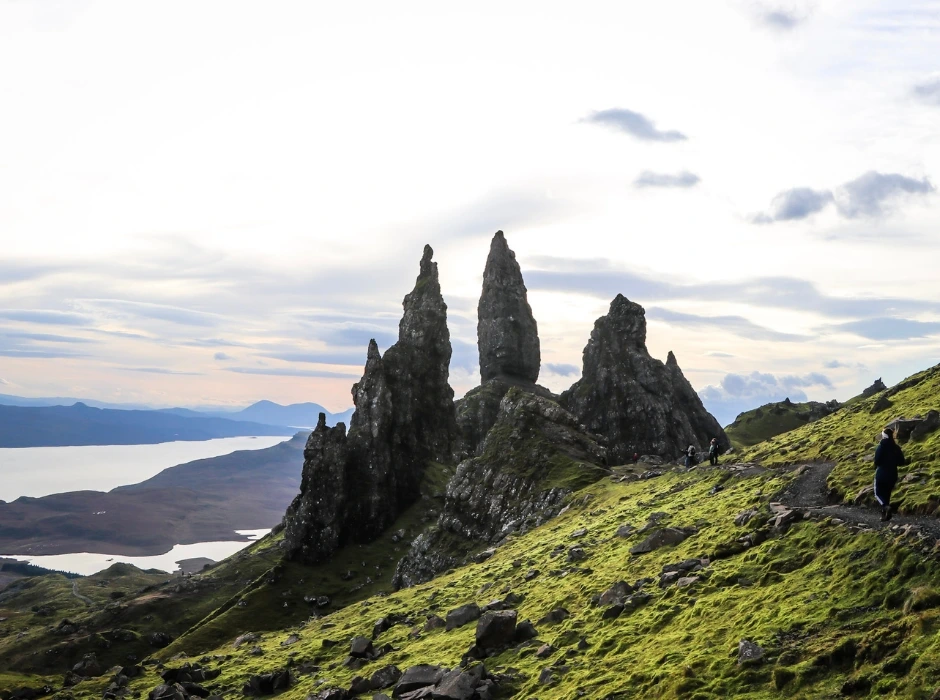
x,y
876,387
507,333
354,486
535,454
638,403
509,347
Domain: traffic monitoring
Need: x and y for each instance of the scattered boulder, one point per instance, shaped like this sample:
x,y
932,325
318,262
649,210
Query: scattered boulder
x,y
555,616
247,638
267,683
417,677
495,630
460,685
929,424
361,648
664,537
576,554
168,691
625,531
616,593
434,622
458,617
385,677
159,639
882,403
88,667
749,653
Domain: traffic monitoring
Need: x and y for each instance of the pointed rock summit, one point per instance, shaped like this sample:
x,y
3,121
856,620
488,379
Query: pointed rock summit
x,y
354,486
638,403
507,334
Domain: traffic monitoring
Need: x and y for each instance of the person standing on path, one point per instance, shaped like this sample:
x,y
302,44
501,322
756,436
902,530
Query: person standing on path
x,y
713,452
888,457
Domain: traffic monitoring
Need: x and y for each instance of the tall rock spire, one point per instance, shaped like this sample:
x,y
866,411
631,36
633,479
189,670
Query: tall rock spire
x,y
356,485
507,334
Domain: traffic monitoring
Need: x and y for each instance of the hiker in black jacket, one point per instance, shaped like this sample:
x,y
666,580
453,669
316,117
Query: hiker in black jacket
x,y
888,457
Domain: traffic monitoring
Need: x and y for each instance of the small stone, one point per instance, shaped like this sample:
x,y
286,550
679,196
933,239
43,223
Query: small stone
x,y
749,653
580,532
545,651
625,531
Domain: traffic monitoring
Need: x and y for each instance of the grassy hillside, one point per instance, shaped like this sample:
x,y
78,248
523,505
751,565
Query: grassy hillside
x,y
772,419
850,436
830,605
839,609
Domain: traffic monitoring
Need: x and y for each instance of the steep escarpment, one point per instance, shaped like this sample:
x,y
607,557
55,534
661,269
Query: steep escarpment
x,y
354,486
534,456
638,403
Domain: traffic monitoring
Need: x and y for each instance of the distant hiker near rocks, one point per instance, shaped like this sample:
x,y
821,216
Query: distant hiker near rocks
x,y
690,456
713,452
636,457
888,457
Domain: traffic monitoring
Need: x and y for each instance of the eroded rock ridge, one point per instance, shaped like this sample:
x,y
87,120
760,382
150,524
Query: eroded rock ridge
x,y
354,486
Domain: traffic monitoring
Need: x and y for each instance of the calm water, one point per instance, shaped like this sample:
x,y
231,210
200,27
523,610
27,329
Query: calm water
x,y
86,563
40,471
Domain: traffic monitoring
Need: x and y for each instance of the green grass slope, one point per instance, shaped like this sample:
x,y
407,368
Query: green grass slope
x,y
772,419
850,436
839,609
834,608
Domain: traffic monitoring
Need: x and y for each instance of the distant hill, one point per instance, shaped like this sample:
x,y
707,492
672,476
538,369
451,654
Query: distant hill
x,y
772,419
199,501
55,426
298,415
10,400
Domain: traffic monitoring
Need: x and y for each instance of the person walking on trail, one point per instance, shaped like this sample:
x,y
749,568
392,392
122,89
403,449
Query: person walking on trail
x,y
690,457
636,457
888,457
713,452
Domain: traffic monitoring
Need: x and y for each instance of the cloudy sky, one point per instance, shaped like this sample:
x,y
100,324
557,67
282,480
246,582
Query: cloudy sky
x,y
210,203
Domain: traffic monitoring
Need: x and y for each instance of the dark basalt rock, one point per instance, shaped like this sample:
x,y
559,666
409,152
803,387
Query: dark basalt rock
x,y
876,387
354,486
532,458
478,409
507,333
638,403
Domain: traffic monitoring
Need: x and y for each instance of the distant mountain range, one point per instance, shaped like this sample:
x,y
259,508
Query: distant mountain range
x,y
298,415
145,424
56,426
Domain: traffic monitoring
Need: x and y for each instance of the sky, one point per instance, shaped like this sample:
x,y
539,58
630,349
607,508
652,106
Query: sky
x,y
212,203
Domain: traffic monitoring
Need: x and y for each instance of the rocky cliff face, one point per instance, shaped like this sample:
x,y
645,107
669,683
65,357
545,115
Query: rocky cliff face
x,y
638,403
355,486
508,340
507,333
532,458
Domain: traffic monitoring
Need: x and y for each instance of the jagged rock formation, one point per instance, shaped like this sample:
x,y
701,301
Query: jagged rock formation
x,y
533,457
876,387
354,486
508,341
638,403
507,333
